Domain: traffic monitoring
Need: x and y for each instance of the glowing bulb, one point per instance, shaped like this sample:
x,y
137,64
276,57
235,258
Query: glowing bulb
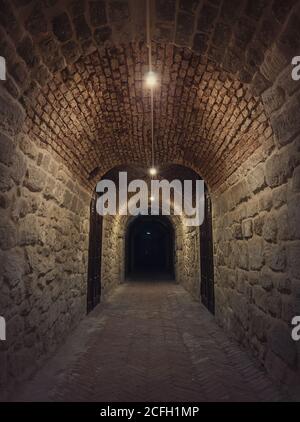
x,y
152,198
151,79
153,171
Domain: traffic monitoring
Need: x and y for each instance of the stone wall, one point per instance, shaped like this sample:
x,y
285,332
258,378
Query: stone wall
x,y
190,261
113,254
43,250
256,240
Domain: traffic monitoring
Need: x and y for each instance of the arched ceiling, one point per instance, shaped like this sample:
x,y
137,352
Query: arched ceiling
x,y
78,68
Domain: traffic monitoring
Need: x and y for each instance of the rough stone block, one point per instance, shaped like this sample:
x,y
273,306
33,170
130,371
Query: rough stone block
x,y
29,231
286,81
258,224
7,149
36,22
11,115
293,206
293,260
280,340
67,200
35,179
240,308
276,257
256,178
259,323
242,255
260,297
8,234
270,228
279,167
279,196
237,231
283,224
239,193
265,202
71,52
288,310
6,182
286,124
296,180
19,167
247,229
256,253
274,305
102,35
259,84
274,62
62,27
81,27
273,98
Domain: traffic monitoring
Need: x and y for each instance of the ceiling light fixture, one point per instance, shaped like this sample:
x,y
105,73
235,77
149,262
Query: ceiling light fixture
x,y
153,171
151,79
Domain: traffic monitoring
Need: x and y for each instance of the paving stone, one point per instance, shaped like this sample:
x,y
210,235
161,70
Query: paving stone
x,y
170,349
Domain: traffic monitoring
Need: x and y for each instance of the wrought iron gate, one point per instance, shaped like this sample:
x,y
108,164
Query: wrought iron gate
x,y
206,257
94,264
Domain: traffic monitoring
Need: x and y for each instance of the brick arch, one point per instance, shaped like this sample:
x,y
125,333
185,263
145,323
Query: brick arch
x,y
193,115
74,87
77,69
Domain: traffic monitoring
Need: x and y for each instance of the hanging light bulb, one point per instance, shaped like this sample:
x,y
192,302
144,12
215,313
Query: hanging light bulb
x,y
151,79
153,171
152,198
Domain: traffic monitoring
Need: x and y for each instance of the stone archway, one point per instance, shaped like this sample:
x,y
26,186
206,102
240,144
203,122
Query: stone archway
x,y
150,248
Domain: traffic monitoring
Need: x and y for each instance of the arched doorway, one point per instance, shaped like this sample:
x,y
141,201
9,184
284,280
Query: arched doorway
x,y
150,248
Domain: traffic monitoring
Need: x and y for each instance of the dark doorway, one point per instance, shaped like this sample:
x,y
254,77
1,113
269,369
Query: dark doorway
x,y
150,248
206,257
94,265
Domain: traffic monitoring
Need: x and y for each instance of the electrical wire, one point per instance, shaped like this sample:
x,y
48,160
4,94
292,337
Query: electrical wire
x,y
151,88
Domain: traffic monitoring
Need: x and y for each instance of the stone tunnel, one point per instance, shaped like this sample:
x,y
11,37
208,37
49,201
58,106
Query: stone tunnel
x,y
74,110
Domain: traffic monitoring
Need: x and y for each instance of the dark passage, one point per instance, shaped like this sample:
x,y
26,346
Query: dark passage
x,y
150,248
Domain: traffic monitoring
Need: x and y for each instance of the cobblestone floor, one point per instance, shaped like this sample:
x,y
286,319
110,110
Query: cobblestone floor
x,y
150,342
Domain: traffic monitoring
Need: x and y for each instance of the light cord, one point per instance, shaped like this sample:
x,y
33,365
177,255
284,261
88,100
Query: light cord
x,y
151,88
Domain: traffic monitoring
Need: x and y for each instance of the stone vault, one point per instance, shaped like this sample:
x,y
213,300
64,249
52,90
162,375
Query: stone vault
x,y
74,106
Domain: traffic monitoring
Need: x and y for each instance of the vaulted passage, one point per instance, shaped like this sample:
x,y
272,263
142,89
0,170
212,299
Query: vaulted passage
x,y
150,248
210,307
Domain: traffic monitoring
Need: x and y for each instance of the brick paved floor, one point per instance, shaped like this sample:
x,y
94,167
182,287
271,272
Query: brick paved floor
x,y
150,342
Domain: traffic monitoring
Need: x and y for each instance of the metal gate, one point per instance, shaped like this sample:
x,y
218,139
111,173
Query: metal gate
x,y
206,258
94,264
